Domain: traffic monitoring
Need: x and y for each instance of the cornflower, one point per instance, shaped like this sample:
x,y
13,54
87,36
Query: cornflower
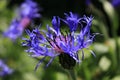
x,y
88,2
115,3
4,69
54,42
26,13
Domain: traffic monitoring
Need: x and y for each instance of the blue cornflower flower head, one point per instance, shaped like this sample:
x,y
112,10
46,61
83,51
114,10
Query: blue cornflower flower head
x,y
29,9
115,3
4,69
26,13
54,42
15,30
88,2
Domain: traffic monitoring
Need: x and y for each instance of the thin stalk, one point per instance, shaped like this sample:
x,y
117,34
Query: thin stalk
x,y
72,74
117,52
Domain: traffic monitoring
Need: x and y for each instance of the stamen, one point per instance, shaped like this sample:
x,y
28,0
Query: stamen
x,y
49,42
56,44
60,38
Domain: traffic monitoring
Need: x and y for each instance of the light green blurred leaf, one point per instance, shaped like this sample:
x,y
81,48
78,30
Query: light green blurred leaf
x,y
60,76
113,16
116,77
101,48
29,76
3,4
104,63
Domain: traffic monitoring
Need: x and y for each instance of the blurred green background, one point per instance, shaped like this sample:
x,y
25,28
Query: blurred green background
x,y
106,65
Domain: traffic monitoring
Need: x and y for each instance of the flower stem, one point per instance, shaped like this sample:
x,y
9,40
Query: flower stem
x,y
72,74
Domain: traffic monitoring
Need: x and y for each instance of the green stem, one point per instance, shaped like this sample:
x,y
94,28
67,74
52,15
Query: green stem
x,y
72,74
117,52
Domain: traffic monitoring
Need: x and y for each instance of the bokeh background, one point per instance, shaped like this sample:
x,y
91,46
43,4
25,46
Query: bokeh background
x,y
106,65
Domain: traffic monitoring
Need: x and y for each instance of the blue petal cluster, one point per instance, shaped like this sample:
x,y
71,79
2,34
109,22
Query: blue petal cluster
x,y
53,42
26,13
115,3
88,2
4,69
72,21
29,9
